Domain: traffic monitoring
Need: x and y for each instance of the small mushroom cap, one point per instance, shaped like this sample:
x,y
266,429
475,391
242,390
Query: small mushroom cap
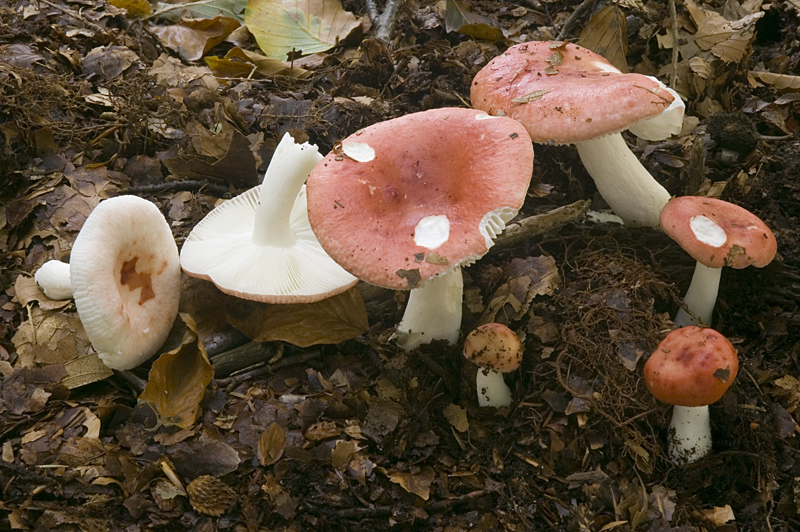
x,y
126,280
717,233
494,346
564,93
692,366
410,198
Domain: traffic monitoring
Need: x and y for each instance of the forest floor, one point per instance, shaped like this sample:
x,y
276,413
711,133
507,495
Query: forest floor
x,y
98,100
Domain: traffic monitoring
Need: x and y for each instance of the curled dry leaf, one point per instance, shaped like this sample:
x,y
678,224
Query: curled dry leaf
x,y
329,321
271,444
606,33
178,380
418,483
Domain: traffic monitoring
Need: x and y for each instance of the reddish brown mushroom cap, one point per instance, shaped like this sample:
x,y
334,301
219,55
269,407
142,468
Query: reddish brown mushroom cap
x,y
428,192
692,366
494,346
565,93
717,233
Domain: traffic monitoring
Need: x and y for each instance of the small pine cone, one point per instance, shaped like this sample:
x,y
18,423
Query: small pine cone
x,y
209,495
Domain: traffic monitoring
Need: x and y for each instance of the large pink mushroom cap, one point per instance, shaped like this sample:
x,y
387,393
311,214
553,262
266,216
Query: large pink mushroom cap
x,y
413,197
564,93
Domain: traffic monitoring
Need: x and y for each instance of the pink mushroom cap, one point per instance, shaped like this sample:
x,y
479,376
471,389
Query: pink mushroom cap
x,y
564,93
717,233
410,198
691,367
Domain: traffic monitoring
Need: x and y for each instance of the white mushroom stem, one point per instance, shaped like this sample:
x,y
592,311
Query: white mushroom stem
x,y
689,434
700,297
433,311
285,176
492,388
631,192
54,280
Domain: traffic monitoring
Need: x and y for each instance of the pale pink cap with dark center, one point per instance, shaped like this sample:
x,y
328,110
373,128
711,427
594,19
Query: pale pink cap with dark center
x,y
410,198
564,93
717,233
126,277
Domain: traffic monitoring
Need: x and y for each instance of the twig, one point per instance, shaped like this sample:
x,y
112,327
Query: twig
x,y
542,223
673,76
185,184
231,383
384,23
585,6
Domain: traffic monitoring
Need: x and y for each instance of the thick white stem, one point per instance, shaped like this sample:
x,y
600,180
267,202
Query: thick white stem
x,y
54,280
433,311
287,171
631,192
492,389
689,434
701,297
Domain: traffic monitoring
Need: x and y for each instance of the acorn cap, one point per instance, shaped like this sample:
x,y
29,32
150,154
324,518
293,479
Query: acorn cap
x,y
692,366
494,346
564,93
718,233
410,198
126,276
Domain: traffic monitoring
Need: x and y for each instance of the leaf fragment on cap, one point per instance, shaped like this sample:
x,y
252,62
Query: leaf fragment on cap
x,y
531,97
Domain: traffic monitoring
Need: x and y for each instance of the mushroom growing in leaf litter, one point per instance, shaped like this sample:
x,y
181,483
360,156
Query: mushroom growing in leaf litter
x,y
566,94
126,277
405,203
716,234
691,368
496,349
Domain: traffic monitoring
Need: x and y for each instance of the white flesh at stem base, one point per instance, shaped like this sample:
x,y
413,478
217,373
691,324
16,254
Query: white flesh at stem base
x,y
689,434
433,311
492,389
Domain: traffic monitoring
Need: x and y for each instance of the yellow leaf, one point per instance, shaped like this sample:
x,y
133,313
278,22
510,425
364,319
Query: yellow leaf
x,y
138,8
178,380
329,321
239,63
606,34
281,27
458,18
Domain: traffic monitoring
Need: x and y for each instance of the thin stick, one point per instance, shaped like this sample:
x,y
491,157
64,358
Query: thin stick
x,y
585,6
673,76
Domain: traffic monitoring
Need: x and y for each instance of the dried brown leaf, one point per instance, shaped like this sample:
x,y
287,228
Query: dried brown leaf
x,y
784,82
271,444
191,38
329,321
606,33
417,483
178,380
457,417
